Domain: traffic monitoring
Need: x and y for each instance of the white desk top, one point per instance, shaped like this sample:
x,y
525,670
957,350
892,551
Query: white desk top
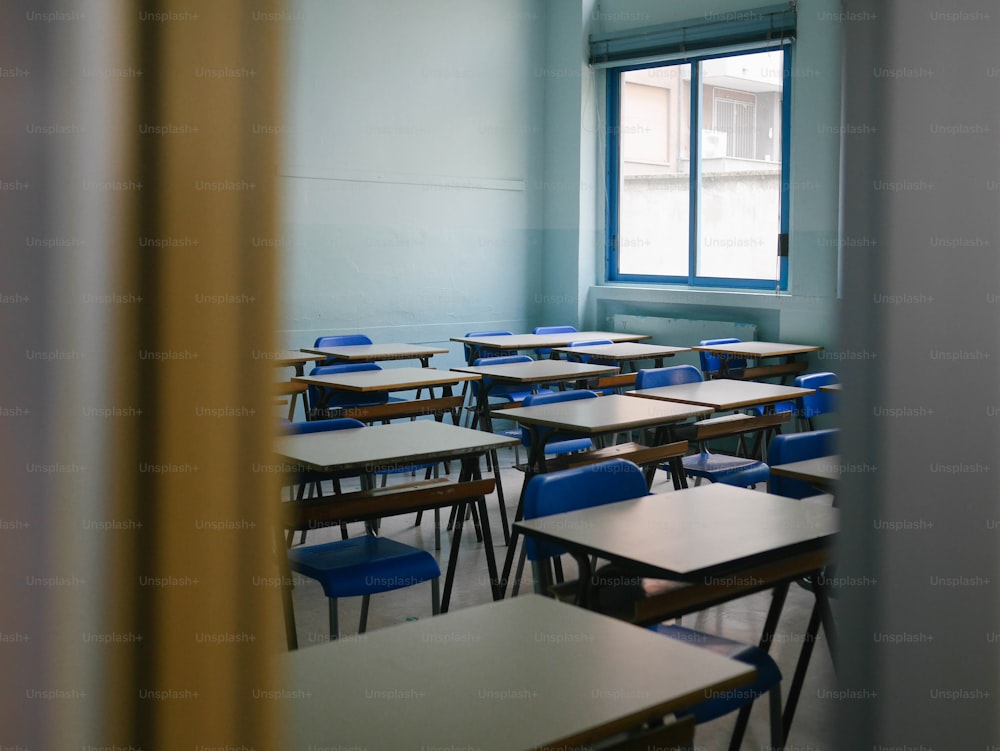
x,y
382,446
623,350
603,415
545,341
516,674
724,393
712,529
376,352
539,371
758,349
396,379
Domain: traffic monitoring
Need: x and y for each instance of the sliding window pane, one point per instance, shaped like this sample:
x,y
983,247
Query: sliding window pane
x,y
740,166
654,191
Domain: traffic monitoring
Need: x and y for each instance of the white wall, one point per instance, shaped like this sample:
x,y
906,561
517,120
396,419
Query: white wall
x,y
414,152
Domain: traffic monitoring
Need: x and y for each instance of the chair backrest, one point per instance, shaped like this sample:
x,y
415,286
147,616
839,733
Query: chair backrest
x,y
316,426
342,340
473,353
710,362
651,378
552,435
344,399
499,388
578,488
553,330
321,426
819,402
550,330
796,447
589,343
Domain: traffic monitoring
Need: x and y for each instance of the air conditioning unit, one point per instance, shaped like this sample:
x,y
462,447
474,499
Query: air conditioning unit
x,y
713,144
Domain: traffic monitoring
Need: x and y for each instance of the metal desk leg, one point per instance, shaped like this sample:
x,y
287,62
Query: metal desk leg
x,y
821,614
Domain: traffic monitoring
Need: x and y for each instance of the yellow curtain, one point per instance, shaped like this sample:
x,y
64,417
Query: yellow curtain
x,y
197,579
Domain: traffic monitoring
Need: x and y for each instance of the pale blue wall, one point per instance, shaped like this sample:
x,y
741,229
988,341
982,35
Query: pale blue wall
x,y
444,171
414,141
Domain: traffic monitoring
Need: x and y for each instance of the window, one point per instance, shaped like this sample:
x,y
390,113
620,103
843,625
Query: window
x,y
697,147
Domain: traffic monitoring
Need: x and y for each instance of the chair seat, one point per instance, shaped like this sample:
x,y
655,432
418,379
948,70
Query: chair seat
x,y
568,446
722,703
363,565
519,396
716,466
779,407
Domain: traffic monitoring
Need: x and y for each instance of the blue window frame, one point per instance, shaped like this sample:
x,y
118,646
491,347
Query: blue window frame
x,y
698,168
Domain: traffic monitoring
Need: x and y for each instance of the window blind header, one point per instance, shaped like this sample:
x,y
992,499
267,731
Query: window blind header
x,y
773,22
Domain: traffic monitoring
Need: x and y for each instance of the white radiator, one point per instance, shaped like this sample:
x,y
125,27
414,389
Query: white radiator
x,y
682,332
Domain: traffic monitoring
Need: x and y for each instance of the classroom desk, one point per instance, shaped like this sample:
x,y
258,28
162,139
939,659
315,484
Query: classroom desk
x,y
379,352
823,472
404,444
517,342
724,542
519,674
395,379
624,352
725,394
594,417
530,374
755,350
294,359
290,358
831,388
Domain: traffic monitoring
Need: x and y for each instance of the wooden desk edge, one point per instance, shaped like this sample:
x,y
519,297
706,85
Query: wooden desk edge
x,y
682,600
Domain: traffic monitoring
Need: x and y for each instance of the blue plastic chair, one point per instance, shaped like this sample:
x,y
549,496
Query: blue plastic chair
x,y
320,426
311,479
340,340
711,363
588,358
510,392
672,375
557,442
364,566
797,447
817,403
545,351
731,470
341,399
589,343
473,353
618,480
360,566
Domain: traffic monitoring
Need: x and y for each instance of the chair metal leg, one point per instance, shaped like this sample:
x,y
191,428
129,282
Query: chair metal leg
x,y
520,570
475,522
777,725
436,596
742,719
334,623
492,455
363,625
